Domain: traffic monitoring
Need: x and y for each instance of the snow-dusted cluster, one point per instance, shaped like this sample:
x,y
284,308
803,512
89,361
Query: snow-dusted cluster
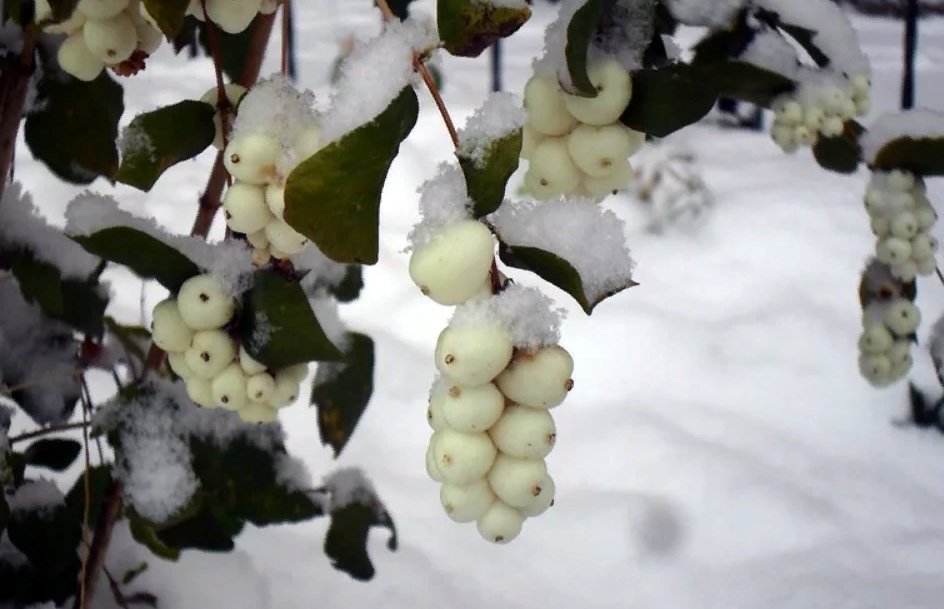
x,y
814,111
219,372
576,145
275,129
901,219
885,343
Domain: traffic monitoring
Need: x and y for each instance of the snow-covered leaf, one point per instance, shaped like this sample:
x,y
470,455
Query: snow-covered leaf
x,y
346,542
580,32
921,156
278,326
74,126
48,537
667,99
342,390
555,270
158,140
468,27
169,14
333,198
486,178
54,453
143,254
842,153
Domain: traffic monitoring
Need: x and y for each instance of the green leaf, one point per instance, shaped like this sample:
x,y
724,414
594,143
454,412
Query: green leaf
x,y
56,454
211,529
158,140
468,27
349,289
133,573
169,14
667,99
555,270
134,339
342,390
145,534
333,198
486,179
99,482
842,153
145,255
62,9
278,327
921,156
346,541
74,126
580,32
744,81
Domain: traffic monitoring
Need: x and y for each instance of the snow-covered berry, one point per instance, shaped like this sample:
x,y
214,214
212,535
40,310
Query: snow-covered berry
x,y
468,502
516,481
523,432
614,90
463,458
539,379
168,330
473,354
455,263
472,409
500,523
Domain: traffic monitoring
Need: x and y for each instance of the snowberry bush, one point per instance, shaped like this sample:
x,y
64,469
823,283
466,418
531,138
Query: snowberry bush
x,y
194,447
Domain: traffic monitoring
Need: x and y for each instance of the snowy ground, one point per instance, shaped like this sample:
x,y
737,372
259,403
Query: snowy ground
x,y
719,451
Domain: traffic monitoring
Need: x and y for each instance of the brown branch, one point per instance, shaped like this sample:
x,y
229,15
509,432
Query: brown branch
x,y
14,86
286,22
104,526
45,431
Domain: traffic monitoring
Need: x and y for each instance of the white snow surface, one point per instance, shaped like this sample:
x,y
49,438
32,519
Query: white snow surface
x,y
719,449
444,200
498,117
710,13
916,124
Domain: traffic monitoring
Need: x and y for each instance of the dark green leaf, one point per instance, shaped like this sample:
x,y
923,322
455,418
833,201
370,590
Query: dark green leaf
x,y
83,306
49,538
134,339
744,81
145,534
211,529
56,454
842,153
554,270
346,542
99,481
921,156
234,50
342,390
74,126
133,573
580,32
62,9
158,140
279,328
333,198
144,255
667,99
169,14
468,27
486,179
350,287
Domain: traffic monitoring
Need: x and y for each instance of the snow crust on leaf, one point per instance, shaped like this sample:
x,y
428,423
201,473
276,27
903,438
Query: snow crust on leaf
x,y
23,227
498,117
918,124
710,13
771,51
528,316
584,234
444,200
321,269
36,496
134,140
348,485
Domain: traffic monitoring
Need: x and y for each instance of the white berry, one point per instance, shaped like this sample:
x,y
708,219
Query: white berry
x,y
210,353
621,177
904,225
614,90
204,304
473,354
501,523
544,500
286,391
254,412
552,171
111,40
169,331
285,238
432,470
101,9
252,157
923,247
876,339
245,208
597,150
472,408
516,481
892,250
434,412
178,363
544,103
229,388
250,365
875,368
530,138
275,200
198,390
540,379
466,503
463,458
234,93
902,317
260,387
452,267
233,16
526,433
75,58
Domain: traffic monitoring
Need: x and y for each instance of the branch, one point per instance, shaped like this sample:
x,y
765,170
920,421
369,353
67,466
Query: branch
x,y
45,431
14,85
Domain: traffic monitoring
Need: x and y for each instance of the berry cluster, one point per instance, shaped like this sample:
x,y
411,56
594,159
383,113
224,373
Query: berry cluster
x,y
234,93
800,120
232,16
885,344
576,145
218,371
901,218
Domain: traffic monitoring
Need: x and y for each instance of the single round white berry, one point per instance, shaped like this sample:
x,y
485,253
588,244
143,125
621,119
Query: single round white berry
x,y
923,247
254,412
875,368
468,502
552,171
621,177
268,6
472,408
926,216
204,304
539,379
906,271
881,227
900,201
245,208
111,40
195,10
876,339
544,103
876,202
260,387
473,354
526,433
287,388
297,372
434,412
785,137
832,126
275,199
75,58
530,138
804,135
229,388
463,458
198,390
597,150
101,9
455,263
432,470
902,317
813,118
149,38
252,157
258,240
863,106
849,109
892,251
544,500
861,85
789,112
927,267
178,363
904,225
210,353
501,523
901,369
614,90
250,365
516,481
900,180
285,238
834,101
899,352
168,330
233,16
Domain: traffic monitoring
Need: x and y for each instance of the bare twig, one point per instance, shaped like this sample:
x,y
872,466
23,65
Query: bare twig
x,y
45,431
86,408
107,517
286,23
940,275
14,85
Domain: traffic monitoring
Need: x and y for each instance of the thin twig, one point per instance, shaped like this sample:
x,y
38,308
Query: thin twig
x,y
86,408
940,275
222,101
45,431
286,22
14,86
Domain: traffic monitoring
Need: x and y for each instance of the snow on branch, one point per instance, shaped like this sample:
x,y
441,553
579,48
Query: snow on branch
x,y
915,124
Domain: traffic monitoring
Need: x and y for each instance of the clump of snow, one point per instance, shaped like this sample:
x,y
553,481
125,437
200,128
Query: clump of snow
x,y
553,62
584,234
771,51
134,140
229,261
498,117
444,200
348,486
386,62
915,124
36,496
525,313
322,271
291,473
23,227
710,13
